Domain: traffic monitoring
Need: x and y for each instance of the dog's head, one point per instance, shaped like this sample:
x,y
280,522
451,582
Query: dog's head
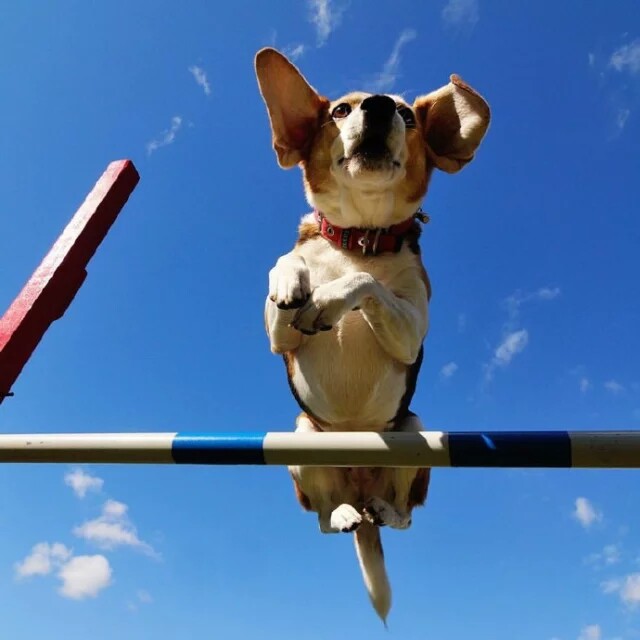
x,y
367,159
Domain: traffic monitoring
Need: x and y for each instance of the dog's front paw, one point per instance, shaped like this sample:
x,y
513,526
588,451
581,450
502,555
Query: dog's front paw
x,y
345,518
289,282
321,311
332,300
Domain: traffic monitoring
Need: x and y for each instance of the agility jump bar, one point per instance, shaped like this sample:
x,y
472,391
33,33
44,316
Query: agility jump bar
x,y
540,449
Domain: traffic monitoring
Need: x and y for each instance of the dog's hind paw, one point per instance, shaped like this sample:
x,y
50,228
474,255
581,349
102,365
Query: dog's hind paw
x,y
345,518
380,513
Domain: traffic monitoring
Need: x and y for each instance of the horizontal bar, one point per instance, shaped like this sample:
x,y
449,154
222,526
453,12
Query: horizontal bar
x,y
54,284
550,449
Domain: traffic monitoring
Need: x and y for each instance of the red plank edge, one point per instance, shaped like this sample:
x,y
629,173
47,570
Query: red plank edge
x,y
54,284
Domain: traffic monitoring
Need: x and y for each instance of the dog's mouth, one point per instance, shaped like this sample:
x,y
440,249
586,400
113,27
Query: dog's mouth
x,y
371,155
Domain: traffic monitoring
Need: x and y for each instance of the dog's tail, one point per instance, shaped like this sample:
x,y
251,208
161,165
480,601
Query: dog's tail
x,y
371,557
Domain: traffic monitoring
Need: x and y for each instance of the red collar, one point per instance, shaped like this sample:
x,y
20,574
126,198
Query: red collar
x,y
368,241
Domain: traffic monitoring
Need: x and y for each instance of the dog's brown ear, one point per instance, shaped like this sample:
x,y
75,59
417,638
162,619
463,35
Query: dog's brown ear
x,y
454,120
293,105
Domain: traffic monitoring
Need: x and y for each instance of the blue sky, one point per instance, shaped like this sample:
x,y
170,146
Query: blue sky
x,y
533,256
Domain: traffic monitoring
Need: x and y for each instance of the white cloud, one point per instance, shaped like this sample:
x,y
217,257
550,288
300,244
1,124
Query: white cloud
x,y
511,345
627,588
585,513
627,57
82,482
385,79
112,529
614,387
84,577
585,385
461,13
294,51
200,76
591,632
592,59
326,18
44,557
167,137
448,369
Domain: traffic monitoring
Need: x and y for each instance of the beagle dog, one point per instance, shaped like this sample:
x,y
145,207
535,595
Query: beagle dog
x,y
348,306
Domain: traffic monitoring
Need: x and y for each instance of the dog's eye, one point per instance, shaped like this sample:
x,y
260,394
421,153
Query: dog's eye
x,y
341,111
407,115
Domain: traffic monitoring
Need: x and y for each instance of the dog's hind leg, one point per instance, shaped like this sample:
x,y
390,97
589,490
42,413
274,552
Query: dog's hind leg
x,y
325,491
400,489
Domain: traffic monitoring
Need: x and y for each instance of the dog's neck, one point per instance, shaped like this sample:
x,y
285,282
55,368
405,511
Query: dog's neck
x,y
362,208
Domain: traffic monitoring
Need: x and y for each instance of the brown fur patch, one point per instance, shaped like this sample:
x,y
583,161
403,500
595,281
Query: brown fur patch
x,y
301,496
419,488
307,231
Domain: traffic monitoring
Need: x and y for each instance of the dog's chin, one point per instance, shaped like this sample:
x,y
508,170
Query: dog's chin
x,y
365,165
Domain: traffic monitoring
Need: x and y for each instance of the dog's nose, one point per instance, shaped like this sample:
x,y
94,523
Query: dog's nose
x,y
378,112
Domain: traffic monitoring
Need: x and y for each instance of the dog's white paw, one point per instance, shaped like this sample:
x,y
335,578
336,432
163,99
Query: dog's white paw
x,y
380,513
289,282
345,518
329,302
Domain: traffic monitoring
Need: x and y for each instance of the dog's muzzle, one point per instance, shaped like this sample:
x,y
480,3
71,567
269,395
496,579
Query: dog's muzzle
x,y
377,119
378,115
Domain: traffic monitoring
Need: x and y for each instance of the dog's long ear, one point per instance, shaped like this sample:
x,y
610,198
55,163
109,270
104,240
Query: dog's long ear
x,y
293,105
454,119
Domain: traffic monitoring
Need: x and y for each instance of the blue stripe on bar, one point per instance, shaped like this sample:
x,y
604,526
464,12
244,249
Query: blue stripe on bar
x,y
510,449
218,448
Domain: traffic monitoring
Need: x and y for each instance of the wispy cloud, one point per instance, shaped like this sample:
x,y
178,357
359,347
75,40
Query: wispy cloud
x,y
627,58
167,137
512,344
627,588
384,80
448,369
200,76
515,301
515,338
585,513
618,74
461,13
82,482
294,51
113,529
609,556
591,632
614,387
142,597
325,16
621,117
585,385
84,577
462,322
